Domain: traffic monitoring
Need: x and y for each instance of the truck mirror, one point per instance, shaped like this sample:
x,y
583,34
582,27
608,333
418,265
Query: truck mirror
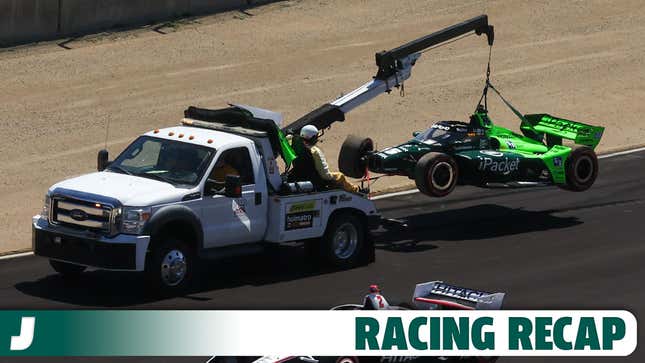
x,y
102,160
416,133
233,186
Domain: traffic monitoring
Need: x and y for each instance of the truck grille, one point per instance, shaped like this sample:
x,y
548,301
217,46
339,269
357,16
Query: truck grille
x,y
81,214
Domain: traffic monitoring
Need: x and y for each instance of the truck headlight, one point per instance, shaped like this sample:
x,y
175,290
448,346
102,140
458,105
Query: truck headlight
x,y
44,213
134,219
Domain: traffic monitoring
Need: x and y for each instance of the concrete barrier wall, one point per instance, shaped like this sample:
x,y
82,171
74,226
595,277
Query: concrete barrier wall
x,y
24,21
88,16
209,6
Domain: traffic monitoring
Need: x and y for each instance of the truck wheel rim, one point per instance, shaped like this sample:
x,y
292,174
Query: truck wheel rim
x,y
583,169
173,268
345,241
441,175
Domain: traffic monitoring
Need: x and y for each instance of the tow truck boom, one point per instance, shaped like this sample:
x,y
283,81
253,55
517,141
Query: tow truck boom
x,y
395,67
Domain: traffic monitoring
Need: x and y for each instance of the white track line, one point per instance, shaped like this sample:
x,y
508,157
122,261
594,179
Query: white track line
x,y
382,196
619,153
16,255
395,194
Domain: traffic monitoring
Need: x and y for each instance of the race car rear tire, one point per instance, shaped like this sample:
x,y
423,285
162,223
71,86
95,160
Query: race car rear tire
x,y
351,160
436,174
343,243
67,269
581,169
169,268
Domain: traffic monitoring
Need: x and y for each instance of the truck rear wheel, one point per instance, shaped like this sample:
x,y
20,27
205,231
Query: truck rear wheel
x,y
351,160
170,266
436,174
344,240
67,269
581,169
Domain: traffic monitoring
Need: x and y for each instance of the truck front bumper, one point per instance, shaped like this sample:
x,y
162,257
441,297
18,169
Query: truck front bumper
x,y
121,252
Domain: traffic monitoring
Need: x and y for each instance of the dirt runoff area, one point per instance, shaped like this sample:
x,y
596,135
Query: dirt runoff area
x,y
582,60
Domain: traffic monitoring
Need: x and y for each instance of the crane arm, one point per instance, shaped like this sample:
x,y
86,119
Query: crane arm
x,y
395,67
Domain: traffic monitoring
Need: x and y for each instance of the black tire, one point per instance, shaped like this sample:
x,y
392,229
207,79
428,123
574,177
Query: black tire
x,y
436,174
351,160
67,269
170,266
343,243
581,169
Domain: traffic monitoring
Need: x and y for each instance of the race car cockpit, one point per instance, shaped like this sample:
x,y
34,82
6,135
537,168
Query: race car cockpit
x,y
444,132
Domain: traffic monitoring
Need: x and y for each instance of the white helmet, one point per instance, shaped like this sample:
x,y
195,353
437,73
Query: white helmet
x,y
309,133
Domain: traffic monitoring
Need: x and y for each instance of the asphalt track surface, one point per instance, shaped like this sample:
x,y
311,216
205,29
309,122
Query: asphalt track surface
x,y
546,248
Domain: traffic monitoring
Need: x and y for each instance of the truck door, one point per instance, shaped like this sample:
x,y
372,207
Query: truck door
x,y
228,221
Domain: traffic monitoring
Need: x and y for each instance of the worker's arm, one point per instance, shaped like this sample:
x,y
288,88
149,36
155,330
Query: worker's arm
x,y
321,164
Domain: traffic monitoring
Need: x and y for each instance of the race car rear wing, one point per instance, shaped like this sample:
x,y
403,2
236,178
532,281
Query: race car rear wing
x,y
559,128
437,294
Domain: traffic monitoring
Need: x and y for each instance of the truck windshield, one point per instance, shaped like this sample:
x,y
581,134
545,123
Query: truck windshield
x,y
174,162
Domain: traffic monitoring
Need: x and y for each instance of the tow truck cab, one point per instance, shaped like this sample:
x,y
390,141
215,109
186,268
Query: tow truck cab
x,y
204,189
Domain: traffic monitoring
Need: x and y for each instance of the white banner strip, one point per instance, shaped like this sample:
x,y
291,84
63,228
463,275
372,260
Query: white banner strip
x,y
400,333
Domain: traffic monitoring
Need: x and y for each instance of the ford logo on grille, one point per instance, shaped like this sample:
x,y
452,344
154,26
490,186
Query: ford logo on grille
x,y
78,215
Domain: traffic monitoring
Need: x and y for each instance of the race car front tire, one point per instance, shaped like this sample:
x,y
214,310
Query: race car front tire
x,y
581,169
436,174
351,158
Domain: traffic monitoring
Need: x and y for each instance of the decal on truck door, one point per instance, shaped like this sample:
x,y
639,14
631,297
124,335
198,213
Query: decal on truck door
x,y
301,215
299,220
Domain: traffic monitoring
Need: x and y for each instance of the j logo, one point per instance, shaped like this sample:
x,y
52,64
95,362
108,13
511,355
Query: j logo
x,y
26,337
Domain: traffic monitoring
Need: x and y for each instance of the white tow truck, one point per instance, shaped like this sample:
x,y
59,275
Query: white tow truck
x,y
159,206
212,187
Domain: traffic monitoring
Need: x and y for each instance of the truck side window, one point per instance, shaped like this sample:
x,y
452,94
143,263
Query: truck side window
x,y
235,161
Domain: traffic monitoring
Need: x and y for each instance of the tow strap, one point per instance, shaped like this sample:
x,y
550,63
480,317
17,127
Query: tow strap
x,y
488,85
515,111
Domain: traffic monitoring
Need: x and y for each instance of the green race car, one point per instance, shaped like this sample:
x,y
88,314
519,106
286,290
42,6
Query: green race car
x,y
482,154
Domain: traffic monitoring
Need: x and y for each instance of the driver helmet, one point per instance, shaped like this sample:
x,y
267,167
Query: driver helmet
x,y
309,133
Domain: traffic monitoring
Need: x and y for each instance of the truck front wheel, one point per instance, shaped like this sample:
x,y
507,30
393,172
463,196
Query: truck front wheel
x,y
344,240
67,269
170,266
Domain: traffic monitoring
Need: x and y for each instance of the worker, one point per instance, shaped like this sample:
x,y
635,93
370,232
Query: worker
x,y
222,169
311,164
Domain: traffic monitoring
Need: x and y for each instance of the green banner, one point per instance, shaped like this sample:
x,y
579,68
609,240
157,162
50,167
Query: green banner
x,y
109,333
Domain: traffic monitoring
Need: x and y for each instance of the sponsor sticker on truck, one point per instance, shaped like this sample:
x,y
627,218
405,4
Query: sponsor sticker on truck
x,y
301,214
